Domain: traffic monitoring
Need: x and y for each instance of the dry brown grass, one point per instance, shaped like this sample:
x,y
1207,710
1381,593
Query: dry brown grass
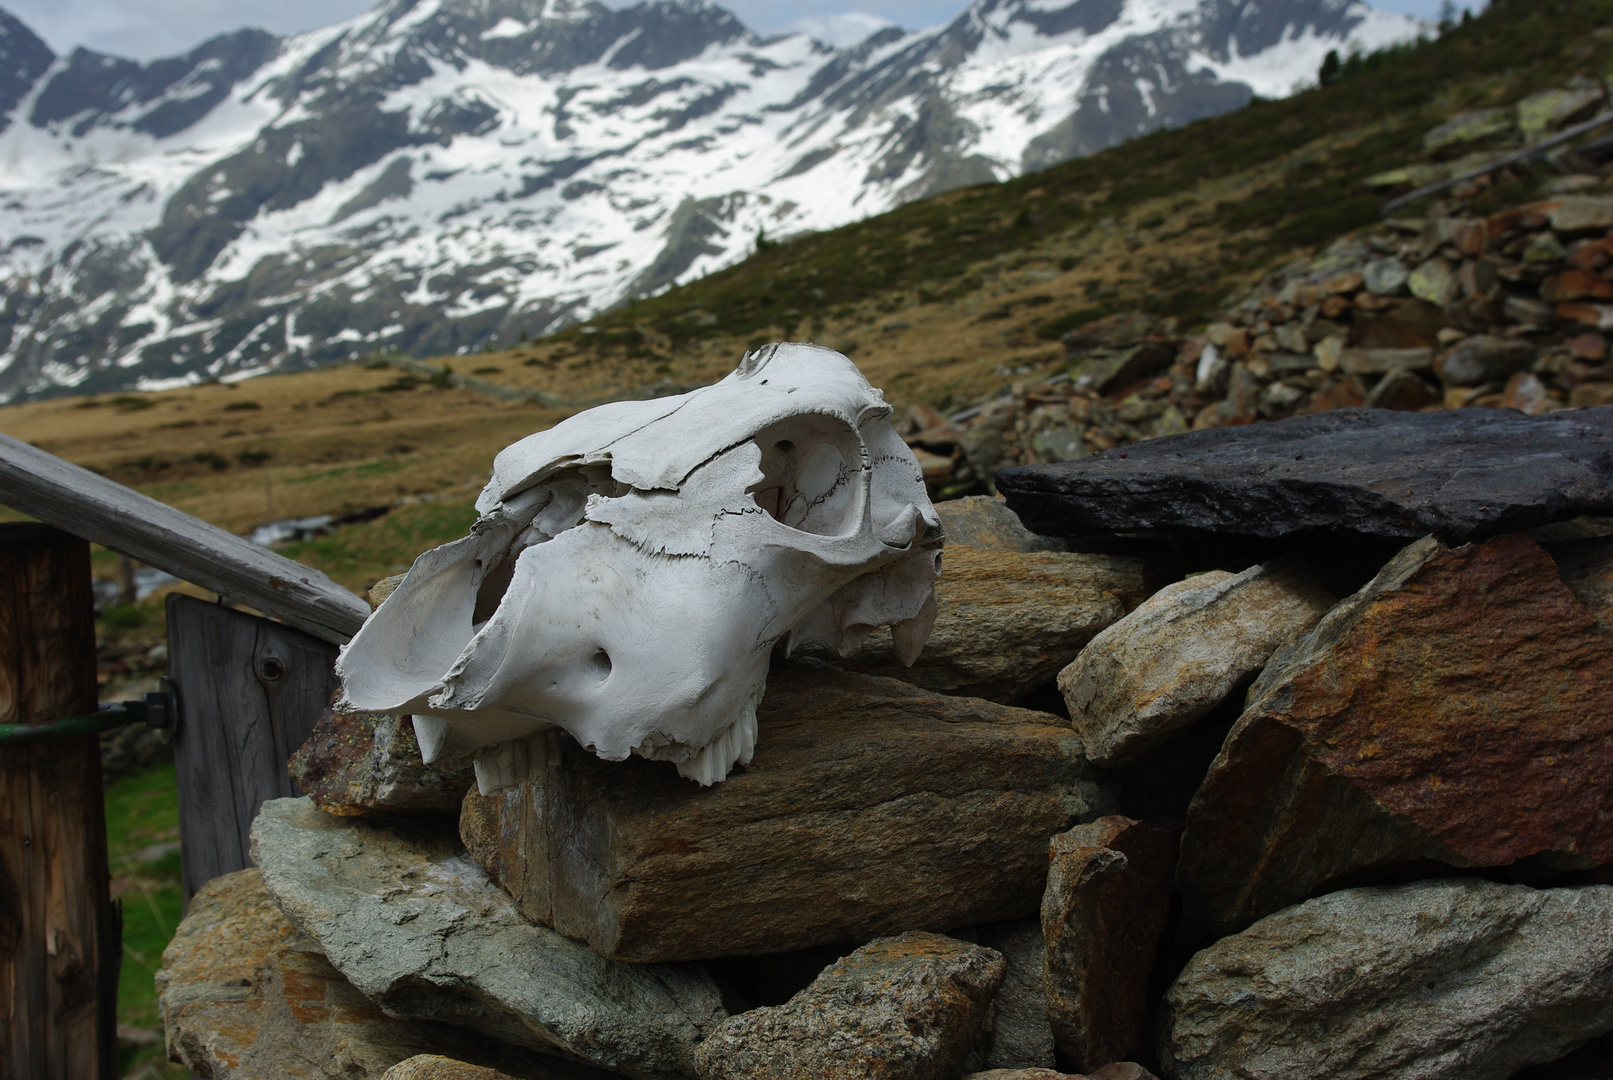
x,y
329,441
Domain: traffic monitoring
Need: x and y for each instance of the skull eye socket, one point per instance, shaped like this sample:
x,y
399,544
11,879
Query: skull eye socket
x,y
807,474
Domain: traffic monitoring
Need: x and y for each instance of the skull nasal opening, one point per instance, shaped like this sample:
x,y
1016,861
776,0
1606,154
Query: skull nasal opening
x,y
809,465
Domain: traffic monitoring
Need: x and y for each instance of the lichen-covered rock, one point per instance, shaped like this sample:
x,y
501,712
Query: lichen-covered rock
x,y
1179,654
1119,1070
437,1067
1009,620
411,920
245,996
1436,980
1108,897
903,1008
1458,709
1473,126
870,807
361,763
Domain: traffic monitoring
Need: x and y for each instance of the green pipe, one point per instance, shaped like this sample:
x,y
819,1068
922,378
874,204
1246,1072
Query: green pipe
x,y
112,715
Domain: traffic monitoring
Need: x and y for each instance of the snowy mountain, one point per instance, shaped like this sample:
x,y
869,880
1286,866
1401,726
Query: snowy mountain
x,y
438,174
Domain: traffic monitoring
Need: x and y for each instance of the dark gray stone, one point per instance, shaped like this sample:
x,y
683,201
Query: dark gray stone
x,y
1361,474
1485,359
1021,1035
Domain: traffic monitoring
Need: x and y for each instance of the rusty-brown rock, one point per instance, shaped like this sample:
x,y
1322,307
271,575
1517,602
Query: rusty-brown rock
x,y
902,1008
1009,620
244,996
871,807
1457,709
358,764
1108,896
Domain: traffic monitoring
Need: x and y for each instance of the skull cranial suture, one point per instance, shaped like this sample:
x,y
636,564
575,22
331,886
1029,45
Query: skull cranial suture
x,y
633,567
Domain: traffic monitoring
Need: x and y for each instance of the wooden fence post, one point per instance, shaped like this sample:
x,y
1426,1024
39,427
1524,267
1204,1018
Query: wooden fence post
x,y
59,940
250,692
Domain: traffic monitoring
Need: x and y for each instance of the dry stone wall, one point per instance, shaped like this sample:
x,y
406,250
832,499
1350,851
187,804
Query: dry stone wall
x,y
1273,815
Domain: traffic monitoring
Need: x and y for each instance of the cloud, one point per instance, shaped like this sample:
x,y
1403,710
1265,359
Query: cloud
x,y
147,29
818,17
840,28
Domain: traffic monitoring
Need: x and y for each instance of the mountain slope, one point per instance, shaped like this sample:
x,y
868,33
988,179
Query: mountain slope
x,y
436,175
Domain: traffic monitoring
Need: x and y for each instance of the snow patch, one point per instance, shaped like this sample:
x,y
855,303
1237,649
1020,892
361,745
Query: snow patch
x,y
505,28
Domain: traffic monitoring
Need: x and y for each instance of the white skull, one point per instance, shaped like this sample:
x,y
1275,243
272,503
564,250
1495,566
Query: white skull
x,y
634,566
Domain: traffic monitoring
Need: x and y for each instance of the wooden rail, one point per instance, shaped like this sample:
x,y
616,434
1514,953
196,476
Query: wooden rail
x,y
44,486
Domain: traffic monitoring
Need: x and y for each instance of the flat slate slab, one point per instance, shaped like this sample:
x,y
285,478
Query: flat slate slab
x,y
1369,474
404,914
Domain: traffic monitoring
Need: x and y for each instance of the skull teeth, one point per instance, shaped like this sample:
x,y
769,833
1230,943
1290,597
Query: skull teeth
x,y
430,732
502,766
735,746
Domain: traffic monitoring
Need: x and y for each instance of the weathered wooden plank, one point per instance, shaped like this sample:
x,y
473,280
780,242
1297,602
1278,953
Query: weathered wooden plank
x,y
61,493
250,692
59,943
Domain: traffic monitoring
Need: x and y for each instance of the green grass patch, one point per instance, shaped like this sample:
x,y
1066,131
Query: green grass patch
x,y
142,840
380,467
360,555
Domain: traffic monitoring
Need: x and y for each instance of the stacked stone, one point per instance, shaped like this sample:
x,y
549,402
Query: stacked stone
x,y
1295,766
1510,309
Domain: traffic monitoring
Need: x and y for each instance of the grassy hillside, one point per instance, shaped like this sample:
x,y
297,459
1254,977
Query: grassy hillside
x,y
940,302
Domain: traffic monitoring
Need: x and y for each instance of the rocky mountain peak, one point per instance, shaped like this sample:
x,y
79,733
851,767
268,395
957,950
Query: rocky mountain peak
x,y
23,59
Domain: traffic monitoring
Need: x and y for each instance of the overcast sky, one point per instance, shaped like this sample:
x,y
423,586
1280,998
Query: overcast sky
x,y
145,29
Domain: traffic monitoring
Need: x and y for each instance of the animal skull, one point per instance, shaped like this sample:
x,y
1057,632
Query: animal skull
x,y
634,566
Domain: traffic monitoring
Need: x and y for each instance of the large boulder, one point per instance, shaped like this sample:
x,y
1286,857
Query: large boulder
x,y
1456,710
1457,979
1108,898
909,1007
1371,474
871,807
1007,621
410,920
1178,656
244,995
